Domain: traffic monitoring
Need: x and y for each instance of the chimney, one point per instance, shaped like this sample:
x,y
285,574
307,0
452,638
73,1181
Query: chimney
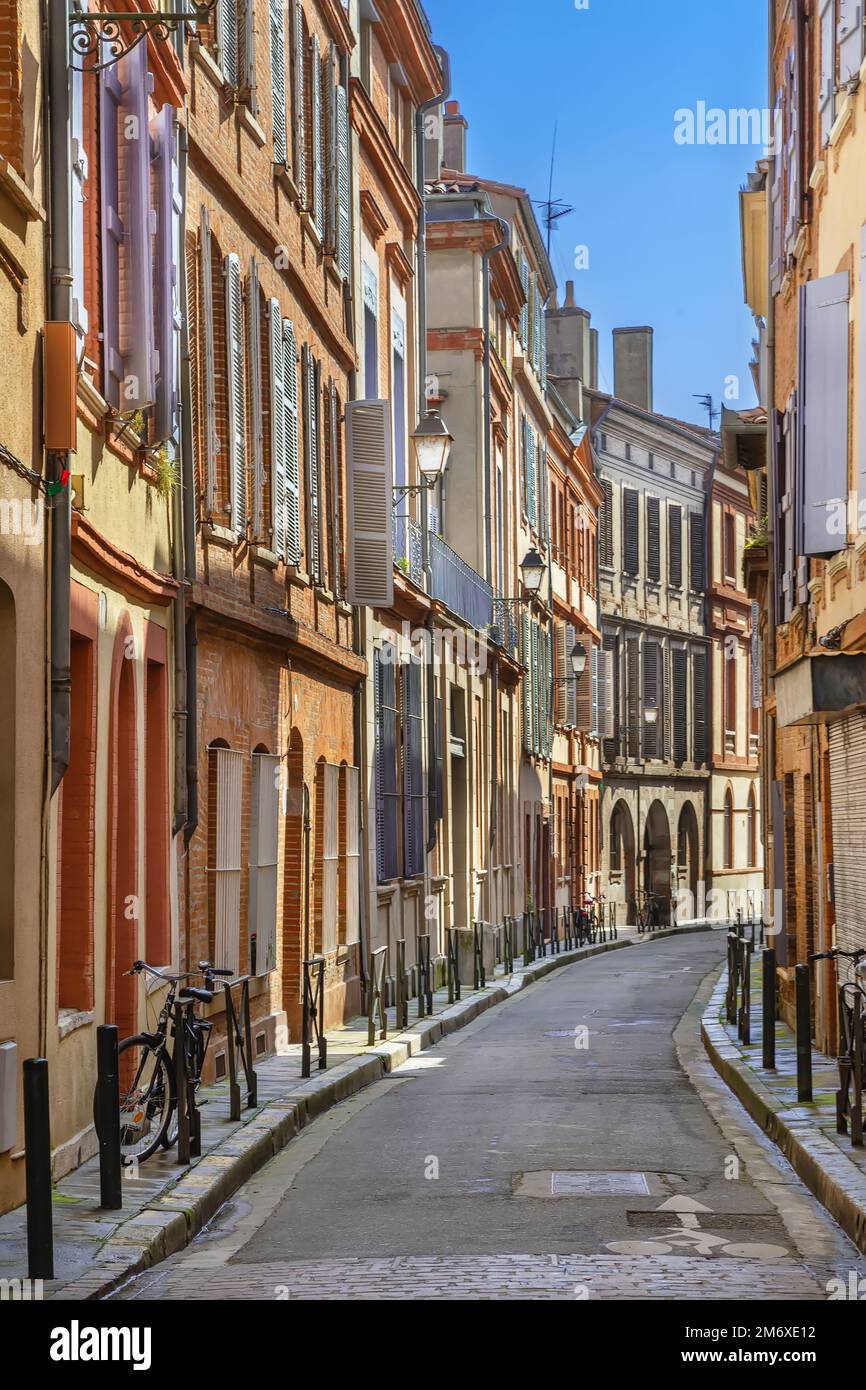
x,y
455,127
633,366
569,349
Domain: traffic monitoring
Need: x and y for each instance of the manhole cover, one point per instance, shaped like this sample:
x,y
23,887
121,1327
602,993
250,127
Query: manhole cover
x,y
599,1185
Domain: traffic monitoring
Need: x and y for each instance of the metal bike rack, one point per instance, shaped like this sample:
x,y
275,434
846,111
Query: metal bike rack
x,y
376,997
453,965
425,992
313,1017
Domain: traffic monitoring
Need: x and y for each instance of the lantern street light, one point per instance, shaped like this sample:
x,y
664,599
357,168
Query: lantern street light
x,y
532,571
431,443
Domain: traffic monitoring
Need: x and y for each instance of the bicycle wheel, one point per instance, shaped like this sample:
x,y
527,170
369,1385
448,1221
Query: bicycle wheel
x,y
145,1099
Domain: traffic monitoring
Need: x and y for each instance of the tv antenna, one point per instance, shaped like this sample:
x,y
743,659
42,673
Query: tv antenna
x,y
554,208
709,406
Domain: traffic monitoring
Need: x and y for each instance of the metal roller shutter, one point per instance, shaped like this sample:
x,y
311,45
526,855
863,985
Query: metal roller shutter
x,y
848,796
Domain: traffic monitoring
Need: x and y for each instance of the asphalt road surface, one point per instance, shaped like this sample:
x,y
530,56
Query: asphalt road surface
x,y
572,1143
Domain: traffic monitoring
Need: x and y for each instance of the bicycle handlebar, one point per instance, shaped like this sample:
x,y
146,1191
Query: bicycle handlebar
x,y
836,953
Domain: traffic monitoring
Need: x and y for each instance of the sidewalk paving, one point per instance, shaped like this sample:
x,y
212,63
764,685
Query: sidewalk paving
x,y
804,1131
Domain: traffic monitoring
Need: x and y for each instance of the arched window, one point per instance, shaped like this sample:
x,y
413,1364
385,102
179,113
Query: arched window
x,y
729,830
616,841
752,837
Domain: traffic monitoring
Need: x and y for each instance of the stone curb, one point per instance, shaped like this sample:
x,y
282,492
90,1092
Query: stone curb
x,y
838,1184
172,1220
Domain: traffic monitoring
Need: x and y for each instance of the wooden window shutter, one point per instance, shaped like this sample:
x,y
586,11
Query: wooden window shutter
x,y
414,790
531,477
225,781
352,865
679,684
264,857
237,403
312,460
526,683
293,445
611,730
208,374
792,146
329,112
594,663
111,232
300,96
335,504
850,37
653,539
821,503
651,699
697,574
675,545
630,538
247,55
606,520
633,696
606,694
777,191
138,230
344,189
701,712
257,428
571,679
170,317
318,166
278,430
387,789
523,268
860,390
79,170
583,700
278,81
369,486
827,89
228,39
560,701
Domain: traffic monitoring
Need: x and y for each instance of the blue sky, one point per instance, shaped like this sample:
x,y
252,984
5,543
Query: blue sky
x,y
660,219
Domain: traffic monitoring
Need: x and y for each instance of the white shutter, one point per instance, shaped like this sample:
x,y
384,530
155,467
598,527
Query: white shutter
x,y
850,40
237,405
329,787
264,855
318,170
352,801
777,263
209,372
79,197
278,80
227,39
605,694
227,857
344,191
792,150
300,98
293,465
822,498
756,656
312,443
257,429
369,483
278,430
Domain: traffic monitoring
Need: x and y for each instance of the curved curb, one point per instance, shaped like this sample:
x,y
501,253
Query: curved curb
x,y
838,1184
172,1220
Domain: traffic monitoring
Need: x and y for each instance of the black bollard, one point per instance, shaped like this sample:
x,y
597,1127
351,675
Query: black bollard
x,y
769,1010
108,1110
37,1167
804,1032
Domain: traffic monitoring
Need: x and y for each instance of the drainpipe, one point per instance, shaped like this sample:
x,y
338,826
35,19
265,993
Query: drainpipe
x,y
60,298
187,508
767,800
178,505
486,258
421,262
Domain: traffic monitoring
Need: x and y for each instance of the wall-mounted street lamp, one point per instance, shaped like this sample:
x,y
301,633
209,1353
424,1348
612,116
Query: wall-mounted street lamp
x,y
95,33
431,443
578,659
532,572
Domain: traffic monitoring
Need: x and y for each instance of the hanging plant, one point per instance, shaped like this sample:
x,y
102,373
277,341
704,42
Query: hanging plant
x,y
166,471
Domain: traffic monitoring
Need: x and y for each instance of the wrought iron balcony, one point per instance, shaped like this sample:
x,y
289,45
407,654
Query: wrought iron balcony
x,y
456,584
505,631
407,548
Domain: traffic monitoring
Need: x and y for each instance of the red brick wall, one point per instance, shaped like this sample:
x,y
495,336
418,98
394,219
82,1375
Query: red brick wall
x,y
11,106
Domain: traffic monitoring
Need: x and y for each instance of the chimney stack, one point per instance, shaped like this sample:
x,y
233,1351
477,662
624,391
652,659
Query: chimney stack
x,y
633,366
455,127
570,350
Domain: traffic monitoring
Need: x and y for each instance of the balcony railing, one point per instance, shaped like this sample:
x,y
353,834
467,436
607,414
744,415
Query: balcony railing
x,y
504,631
456,584
408,553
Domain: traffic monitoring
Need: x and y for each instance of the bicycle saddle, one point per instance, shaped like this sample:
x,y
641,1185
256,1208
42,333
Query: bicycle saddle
x,y
204,996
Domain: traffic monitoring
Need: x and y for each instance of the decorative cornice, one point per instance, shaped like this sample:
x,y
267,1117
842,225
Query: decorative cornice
x,y
372,216
377,146
399,263
100,555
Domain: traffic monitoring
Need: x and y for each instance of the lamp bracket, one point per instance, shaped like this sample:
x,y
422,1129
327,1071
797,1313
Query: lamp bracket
x,y
95,32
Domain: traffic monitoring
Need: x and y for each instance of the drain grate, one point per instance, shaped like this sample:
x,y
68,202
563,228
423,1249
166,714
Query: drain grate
x,y
599,1185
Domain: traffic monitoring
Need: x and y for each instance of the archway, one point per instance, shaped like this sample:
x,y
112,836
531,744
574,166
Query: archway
x,y
687,854
622,863
657,857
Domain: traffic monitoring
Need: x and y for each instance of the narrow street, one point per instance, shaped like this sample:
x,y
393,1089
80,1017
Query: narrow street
x,y
524,1158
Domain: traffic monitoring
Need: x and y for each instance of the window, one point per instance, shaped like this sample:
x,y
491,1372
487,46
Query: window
x,y
697,575
327,856
284,438
606,524
700,718
386,752
76,829
732,652
728,831
414,790
264,854
752,830
371,330
730,548
653,539
630,539
312,386
398,399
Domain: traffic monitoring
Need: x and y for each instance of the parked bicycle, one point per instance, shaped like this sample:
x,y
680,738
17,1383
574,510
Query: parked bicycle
x,y
649,913
148,1097
852,1041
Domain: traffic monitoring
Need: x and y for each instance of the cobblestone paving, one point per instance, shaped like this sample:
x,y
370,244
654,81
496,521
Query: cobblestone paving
x,y
572,1277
